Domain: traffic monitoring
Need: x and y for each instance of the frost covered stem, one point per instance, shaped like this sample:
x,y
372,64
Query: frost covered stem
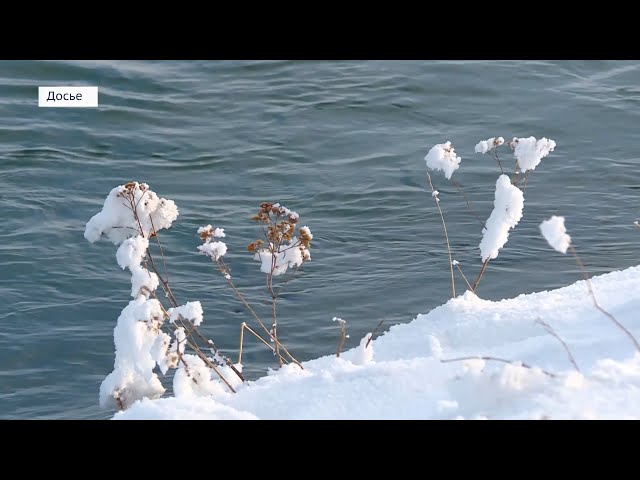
x,y
484,266
494,359
552,332
446,236
595,302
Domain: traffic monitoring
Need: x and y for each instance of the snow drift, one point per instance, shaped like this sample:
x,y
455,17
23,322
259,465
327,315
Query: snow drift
x,y
401,375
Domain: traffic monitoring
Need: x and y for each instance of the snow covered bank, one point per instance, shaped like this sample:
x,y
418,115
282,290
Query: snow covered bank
x,y
405,379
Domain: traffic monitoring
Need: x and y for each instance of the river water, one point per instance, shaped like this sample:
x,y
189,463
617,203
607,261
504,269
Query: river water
x,y
340,142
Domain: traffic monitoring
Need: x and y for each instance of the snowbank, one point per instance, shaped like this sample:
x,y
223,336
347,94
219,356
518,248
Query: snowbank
x,y
401,375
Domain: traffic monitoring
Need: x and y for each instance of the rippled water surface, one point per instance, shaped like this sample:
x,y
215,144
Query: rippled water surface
x,y
340,142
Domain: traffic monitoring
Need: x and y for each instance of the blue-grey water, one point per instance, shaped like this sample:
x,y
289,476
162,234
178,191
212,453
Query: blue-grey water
x,y
342,143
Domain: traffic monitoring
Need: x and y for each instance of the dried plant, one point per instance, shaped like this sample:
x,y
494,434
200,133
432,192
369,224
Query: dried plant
x,y
285,246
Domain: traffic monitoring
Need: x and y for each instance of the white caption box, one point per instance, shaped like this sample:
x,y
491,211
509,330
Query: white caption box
x,y
68,97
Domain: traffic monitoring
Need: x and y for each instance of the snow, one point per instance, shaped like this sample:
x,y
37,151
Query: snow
x,y
129,255
135,337
484,146
215,250
530,151
132,251
195,379
211,232
406,379
555,233
285,211
507,212
192,311
117,221
443,157
288,256
364,352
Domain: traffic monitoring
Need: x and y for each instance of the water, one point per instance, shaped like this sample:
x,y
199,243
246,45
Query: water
x,y
340,142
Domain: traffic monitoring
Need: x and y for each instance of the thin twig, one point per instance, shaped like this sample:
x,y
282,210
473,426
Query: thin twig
x,y
515,176
484,266
468,202
595,301
155,234
255,334
446,236
373,333
165,284
551,331
463,276
526,179
495,154
241,341
495,359
288,278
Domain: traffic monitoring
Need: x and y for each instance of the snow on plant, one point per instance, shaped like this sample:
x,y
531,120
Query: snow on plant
x,y
191,311
279,225
135,336
194,379
485,146
130,255
443,157
490,146
507,212
131,209
364,352
555,233
131,215
529,151
215,250
509,193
